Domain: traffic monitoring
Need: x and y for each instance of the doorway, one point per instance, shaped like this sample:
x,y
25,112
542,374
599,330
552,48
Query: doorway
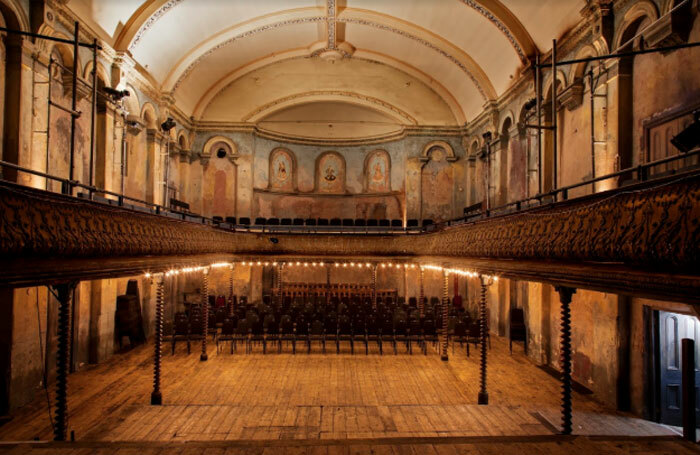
x,y
671,328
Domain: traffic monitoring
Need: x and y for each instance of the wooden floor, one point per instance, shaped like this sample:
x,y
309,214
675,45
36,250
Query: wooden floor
x,y
328,403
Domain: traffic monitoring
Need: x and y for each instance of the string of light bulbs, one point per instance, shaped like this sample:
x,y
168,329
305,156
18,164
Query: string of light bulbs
x,y
315,264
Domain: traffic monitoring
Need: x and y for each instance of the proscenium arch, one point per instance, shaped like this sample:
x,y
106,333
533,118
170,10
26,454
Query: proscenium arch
x,y
375,57
345,97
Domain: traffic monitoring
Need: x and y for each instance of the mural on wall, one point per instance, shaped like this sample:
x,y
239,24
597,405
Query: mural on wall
x,y
378,172
437,182
282,174
330,173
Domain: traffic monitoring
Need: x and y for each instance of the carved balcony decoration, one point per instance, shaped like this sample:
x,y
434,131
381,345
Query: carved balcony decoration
x,y
572,96
644,236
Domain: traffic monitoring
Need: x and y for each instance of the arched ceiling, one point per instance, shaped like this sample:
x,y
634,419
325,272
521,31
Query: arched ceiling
x,y
464,52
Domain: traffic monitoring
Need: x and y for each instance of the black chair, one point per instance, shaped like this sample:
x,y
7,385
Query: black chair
x,y
473,335
344,333
396,223
181,331
231,220
241,334
318,333
273,222
427,223
387,333
412,223
372,222
336,222
323,222
310,222
286,221
415,334
517,330
360,222
287,332
244,221
347,222
218,219
430,334
298,222
228,330
384,223
460,333
260,221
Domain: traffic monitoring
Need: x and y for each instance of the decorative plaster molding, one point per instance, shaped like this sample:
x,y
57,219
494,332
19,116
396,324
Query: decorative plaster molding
x,y
422,41
572,96
500,25
151,21
339,93
255,31
134,124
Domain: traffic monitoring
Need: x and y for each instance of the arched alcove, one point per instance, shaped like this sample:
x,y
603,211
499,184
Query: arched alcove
x,y
377,172
282,173
330,173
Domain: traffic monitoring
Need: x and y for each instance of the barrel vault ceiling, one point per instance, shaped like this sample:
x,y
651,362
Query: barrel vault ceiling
x,y
410,62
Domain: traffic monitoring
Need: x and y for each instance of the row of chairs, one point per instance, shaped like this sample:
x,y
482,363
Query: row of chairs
x,y
305,320
313,222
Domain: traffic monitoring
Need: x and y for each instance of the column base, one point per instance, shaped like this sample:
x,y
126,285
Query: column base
x,y
156,398
203,357
483,398
444,358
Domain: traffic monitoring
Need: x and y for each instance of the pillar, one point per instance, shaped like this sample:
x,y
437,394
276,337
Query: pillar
x,y
421,299
445,312
205,312
374,286
64,293
156,396
280,266
328,285
486,281
565,295
231,308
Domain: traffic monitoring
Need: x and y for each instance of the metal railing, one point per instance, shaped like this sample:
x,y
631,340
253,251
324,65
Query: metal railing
x,y
641,171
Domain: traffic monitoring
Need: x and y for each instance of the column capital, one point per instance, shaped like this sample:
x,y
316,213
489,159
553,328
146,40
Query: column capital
x,y
565,293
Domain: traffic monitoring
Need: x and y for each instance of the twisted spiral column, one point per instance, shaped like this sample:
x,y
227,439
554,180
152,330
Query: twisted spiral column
x,y
156,396
445,312
374,286
279,282
230,292
483,333
64,292
205,313
421,300
565,296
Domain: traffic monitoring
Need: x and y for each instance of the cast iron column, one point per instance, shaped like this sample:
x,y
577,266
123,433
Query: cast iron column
x,y
230,292
279,282
565,295
445,312
156,396
421,301
374,286
63,293
486,281
205,313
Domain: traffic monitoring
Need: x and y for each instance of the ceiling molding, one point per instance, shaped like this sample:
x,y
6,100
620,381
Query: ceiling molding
x,y
500,16
360,54
361,17
401,116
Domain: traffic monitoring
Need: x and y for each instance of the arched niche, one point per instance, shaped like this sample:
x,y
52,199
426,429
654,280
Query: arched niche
x,y
330,173
149,116
220,147
377,172
219,177
446,147
437,182
282,174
